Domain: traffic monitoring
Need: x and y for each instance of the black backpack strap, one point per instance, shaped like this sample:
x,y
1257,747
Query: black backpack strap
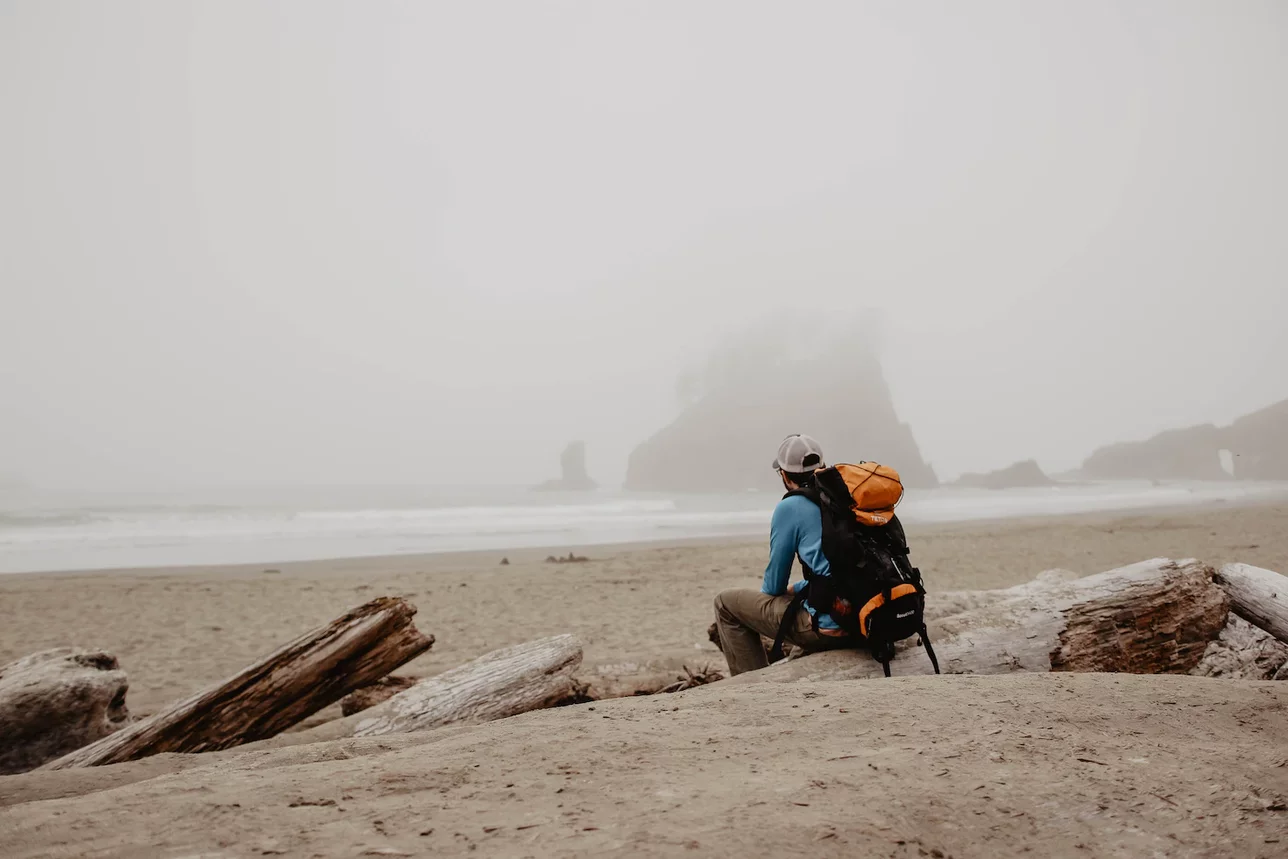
x,y
798,600
930,651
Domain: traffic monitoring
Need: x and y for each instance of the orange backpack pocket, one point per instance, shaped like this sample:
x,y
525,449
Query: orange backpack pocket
x,y
875,489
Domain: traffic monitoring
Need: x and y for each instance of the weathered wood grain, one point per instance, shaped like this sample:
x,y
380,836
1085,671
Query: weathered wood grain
x,y
297,680
1257,595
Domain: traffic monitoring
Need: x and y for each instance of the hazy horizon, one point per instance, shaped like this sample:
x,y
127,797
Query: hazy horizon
x,y
316,242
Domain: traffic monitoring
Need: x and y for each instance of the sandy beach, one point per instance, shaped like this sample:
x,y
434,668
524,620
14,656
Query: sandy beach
x,y
1100,765
1044,765
176,631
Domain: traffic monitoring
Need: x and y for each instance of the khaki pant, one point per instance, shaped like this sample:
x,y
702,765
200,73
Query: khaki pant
x,y
744,615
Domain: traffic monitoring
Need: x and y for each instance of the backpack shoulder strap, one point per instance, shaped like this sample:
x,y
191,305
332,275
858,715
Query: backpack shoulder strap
x,y
810,492
798,600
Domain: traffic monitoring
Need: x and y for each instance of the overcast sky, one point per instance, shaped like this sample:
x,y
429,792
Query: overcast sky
x,y
431,242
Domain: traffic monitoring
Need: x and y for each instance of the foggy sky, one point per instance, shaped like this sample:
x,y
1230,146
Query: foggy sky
x,y
316,242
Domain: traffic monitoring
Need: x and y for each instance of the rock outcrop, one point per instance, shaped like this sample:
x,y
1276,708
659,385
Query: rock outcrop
x,y
56,701
725,440
1021,474
572,470
1257,444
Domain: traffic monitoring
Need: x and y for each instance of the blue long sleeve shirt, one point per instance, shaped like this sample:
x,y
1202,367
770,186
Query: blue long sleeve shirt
x,y
796,530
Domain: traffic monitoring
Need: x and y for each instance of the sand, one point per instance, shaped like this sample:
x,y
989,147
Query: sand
x,y
178,631
964,766
1033,765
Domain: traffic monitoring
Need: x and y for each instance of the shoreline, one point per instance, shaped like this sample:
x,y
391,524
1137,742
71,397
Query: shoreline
x,y
533,554
290,538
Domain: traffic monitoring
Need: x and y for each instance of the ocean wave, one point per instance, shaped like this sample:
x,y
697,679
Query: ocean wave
x,y
138,535
116,527
38,518
545,511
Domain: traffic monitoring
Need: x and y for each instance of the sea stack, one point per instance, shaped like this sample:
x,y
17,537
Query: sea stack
x,y
725,440
1019,475
572,470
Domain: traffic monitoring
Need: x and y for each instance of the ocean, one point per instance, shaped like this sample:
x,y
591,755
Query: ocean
x,y
46,532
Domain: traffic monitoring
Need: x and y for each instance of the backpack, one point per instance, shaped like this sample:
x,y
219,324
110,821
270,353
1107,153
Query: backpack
x,y
873,592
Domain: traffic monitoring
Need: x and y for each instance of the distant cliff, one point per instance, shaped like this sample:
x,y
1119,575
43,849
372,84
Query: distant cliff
x,y
572,468
1180,454
1257,444
725,440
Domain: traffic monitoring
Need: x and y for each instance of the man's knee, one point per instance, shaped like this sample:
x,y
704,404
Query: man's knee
x,y
740,606
722,610
732,605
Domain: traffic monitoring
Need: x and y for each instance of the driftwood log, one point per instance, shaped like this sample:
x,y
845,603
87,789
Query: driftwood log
x,y
502,683
659,673
1243,652
375,693
1258,596
297,680
1155,617
940,604
55,701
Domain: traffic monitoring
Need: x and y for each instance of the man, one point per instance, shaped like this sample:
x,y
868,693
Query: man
x,y
796,530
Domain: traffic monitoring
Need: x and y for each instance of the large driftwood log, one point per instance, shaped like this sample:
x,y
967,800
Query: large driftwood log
x,y
55,701
940,604
1258,596
297,680
498,684
1241,651
1155,617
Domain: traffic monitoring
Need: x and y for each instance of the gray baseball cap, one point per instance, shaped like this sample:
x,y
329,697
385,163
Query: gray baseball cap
x,y
799,454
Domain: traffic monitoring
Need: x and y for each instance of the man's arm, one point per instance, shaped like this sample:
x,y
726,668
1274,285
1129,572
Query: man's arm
x,y
782,551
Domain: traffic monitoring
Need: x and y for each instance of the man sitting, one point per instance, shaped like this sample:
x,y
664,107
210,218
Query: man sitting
x,y
743,615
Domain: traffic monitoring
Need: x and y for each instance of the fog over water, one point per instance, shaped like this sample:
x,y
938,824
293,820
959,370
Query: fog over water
x,y
305,243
